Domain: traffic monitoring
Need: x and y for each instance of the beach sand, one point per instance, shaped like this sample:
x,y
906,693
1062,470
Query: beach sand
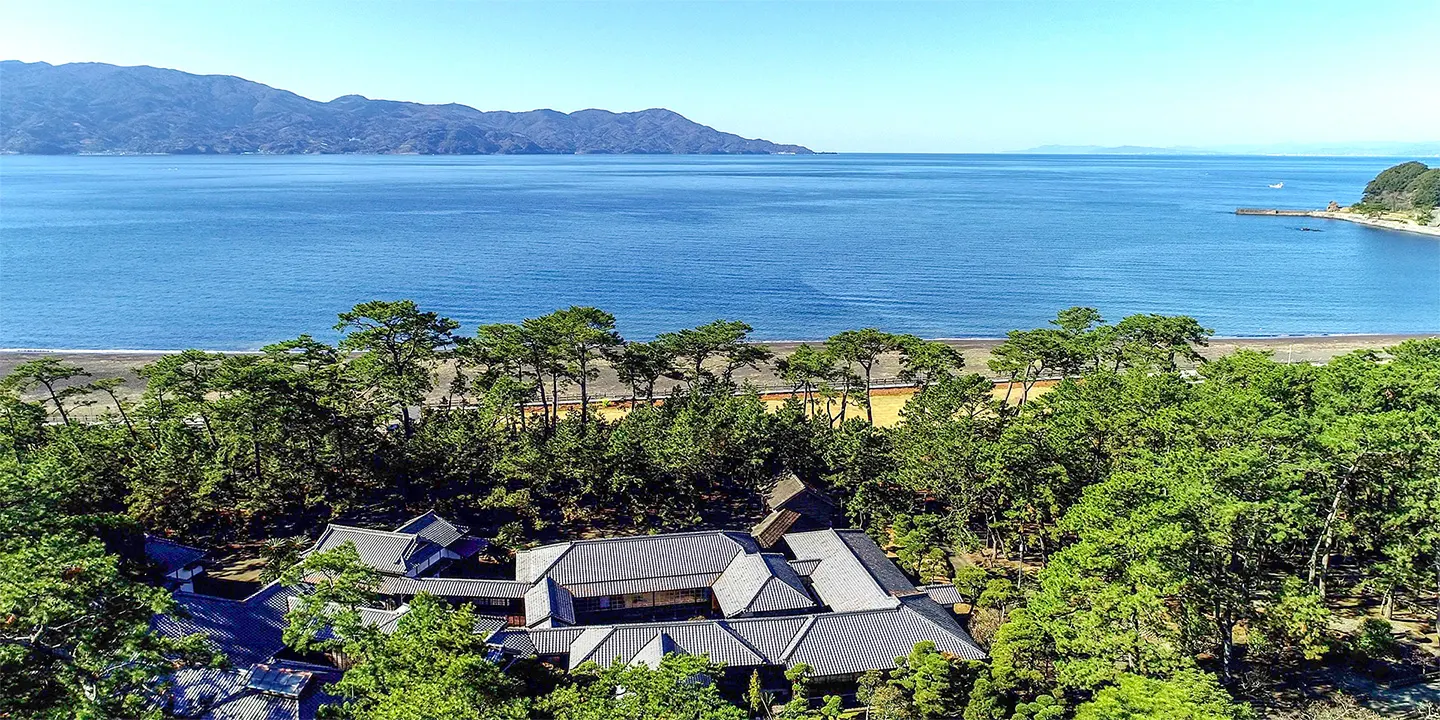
x,y
1387,223
1299,349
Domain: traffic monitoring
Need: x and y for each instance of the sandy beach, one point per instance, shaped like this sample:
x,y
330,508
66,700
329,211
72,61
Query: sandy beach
x,y
1297,349
1384,223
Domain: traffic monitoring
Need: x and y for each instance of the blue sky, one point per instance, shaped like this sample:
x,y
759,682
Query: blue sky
x,y
850,77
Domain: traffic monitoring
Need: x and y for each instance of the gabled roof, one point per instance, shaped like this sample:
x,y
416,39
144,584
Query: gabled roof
x,y
853,573
433,528
942,593
853,642
654,651
605,645
549,604
454,588
396,552
803,568
831,643
392,553
241,694
171,555
791,488
774,526
760,583
646,563
248,631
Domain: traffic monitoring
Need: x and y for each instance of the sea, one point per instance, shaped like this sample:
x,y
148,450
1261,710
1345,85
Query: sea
x,y
234,252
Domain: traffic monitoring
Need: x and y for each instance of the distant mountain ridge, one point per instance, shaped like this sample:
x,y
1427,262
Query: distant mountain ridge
x,y
100,108
1367,149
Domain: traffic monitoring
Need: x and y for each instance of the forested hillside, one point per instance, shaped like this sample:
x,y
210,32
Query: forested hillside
x,y
1411,186
1152,537
99,108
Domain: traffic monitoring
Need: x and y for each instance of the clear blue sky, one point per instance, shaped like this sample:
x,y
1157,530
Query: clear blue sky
x,y
875,77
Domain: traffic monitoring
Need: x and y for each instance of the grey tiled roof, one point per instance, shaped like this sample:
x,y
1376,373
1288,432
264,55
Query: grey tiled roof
x,y
549,603
760,583
769,636
170,555
853,642
876,562
831,643
248,631
486,625
433,528
804,567
614,560
396,552
656,650
607,644
224,694
554,641
453,587
841,578
518,642
391,553
642,585
942,593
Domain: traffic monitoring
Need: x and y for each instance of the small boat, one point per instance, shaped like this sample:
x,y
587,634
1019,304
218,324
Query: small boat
x,y
1277,186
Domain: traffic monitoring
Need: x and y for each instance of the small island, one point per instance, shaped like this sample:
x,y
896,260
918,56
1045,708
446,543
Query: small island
x,y
1402,197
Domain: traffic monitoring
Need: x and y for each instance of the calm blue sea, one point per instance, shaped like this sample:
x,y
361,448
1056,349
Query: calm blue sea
x,y
235,252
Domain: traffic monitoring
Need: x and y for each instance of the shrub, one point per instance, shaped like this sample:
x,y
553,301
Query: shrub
x,y
1375,639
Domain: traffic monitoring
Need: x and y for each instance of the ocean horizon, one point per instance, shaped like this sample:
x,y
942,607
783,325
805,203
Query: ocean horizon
x,y
234,252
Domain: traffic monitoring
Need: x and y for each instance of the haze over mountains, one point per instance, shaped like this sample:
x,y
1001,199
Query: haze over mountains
x,y
100,108
1371,149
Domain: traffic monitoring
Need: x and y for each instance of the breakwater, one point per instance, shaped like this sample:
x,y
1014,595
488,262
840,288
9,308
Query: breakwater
x,y
1273,211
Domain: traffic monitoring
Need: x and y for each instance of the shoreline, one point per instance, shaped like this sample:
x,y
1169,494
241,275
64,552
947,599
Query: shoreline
x,y
790,344
1381,223
1310,349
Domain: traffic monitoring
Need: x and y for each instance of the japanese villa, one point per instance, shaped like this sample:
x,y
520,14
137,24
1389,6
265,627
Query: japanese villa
x,y
790,591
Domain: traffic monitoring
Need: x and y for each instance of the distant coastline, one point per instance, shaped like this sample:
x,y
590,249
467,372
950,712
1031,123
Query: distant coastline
x,y
1383,223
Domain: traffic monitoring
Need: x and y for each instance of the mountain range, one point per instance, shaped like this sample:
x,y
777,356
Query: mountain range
x,y
108,109
1368,149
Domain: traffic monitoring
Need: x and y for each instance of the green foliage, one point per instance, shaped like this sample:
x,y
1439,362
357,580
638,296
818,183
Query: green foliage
x,y
1189,695
1295,625
334,585
680,687
922,544
936,685
1404,186
432,666
1166,511
1375,639
396,343
74,616
1043,707
755,695
55,376
984,702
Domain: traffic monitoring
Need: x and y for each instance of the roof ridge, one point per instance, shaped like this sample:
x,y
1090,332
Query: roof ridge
x,y
255,594
725,625
355,528
636,538
927,618
799,635
431,511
